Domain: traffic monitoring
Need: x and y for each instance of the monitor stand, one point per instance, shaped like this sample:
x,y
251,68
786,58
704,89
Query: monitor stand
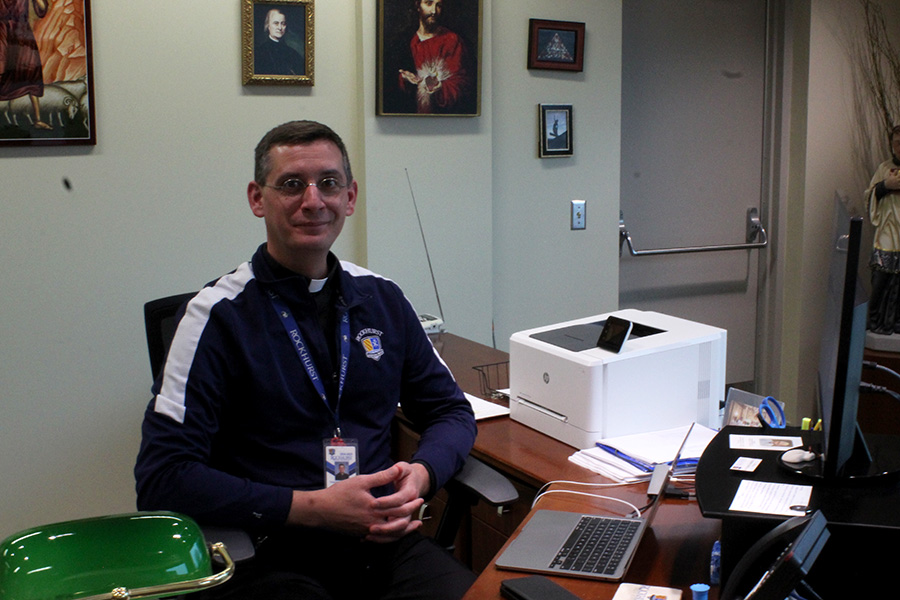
x,y
875,460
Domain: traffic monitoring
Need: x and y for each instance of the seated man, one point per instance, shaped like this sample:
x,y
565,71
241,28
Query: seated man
x,y
291,364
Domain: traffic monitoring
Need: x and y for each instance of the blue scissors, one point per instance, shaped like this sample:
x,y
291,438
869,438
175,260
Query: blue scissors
x,y
771,414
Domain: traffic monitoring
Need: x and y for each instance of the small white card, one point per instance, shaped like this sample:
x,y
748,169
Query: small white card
x,y
633,591
746,464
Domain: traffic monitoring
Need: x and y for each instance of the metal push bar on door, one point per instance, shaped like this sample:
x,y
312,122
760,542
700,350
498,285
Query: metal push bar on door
x,y
754,229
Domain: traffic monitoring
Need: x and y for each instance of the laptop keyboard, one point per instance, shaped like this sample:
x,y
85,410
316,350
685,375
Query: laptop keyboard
x,y
596,545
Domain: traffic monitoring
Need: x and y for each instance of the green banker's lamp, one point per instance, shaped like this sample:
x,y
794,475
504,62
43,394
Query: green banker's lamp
x,y
120,557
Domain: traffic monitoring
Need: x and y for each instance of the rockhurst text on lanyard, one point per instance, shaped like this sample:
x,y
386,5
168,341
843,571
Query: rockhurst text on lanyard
x,y
293,331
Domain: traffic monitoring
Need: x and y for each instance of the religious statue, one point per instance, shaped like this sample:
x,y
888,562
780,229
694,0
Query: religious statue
x,y
883,205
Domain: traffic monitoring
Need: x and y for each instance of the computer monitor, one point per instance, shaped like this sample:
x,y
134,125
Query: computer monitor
x,y
845,455
841,352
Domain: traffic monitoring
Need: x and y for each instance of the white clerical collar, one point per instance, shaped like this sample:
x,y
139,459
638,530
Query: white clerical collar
x,y
316,285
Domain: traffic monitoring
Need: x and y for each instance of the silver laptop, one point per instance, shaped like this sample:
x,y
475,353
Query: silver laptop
x,y
578,545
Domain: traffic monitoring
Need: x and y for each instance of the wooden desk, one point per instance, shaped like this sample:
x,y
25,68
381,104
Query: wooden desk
x,y
674,553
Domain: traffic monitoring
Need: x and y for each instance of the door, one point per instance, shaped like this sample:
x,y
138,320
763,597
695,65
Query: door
x,y
693,114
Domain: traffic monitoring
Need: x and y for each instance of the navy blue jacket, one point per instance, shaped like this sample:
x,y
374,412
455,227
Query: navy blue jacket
x,y
235,423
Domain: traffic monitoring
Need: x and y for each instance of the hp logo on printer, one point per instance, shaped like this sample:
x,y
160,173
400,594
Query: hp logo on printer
x,y
546,377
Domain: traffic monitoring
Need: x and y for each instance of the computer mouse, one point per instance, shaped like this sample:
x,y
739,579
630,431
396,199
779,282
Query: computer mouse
x,y
798,455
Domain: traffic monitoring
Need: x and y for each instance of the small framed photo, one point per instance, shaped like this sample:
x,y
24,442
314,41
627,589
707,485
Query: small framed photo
x,y
429,58
557,45
555,130
46,74
278,42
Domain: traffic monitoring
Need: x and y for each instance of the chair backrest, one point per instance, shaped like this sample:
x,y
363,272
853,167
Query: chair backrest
x,y
160,320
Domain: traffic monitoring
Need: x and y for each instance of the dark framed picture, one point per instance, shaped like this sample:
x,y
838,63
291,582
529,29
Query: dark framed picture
x,y
46,74
278,42
557,45
429,58
555,130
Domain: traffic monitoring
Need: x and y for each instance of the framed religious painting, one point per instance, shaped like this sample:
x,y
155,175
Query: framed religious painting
x,y
557,45
429,58
555,130
277,42
46,74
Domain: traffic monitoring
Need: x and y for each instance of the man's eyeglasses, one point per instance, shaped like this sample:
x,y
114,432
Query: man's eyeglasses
x,y
327,186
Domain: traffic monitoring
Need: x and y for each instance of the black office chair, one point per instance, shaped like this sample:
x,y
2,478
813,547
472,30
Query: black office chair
x,y
475,482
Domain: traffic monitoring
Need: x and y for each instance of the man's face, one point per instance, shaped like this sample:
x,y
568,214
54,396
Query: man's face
x,y
895,144
430,12
305,225
276,24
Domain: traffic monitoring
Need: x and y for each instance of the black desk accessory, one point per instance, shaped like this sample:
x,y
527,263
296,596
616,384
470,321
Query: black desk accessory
x,y
792,565
534,587
862,518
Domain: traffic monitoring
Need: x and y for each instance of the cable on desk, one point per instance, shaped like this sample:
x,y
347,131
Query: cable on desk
x,y
634,508
544,491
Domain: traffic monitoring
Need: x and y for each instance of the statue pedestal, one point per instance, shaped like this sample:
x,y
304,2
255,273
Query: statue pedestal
x,y
879,413
883,343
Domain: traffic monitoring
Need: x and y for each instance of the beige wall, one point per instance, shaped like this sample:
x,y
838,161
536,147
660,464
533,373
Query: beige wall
x,y
823,147
158,207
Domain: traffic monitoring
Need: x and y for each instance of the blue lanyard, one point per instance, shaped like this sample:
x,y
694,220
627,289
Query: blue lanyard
x,y
293,332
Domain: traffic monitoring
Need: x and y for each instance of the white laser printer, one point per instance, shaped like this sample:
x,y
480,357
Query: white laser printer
x,y
670,372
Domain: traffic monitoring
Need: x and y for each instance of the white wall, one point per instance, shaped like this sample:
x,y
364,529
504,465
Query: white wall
x,y
447,162
543,272
158,206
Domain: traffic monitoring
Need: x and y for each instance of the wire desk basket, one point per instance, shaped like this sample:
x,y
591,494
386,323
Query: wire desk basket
x,y
494,379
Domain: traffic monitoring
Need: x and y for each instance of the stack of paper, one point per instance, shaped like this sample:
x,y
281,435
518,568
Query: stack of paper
x,y
484,409
631,458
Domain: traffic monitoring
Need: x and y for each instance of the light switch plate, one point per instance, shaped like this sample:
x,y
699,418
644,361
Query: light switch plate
x,y
578,215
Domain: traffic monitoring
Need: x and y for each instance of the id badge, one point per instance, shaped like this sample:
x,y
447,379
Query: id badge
x,y
341,460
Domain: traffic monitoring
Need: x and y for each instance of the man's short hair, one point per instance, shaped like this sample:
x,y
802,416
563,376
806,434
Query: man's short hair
x,y
296,133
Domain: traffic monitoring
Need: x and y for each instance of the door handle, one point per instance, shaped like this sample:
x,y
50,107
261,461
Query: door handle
x,y
755,230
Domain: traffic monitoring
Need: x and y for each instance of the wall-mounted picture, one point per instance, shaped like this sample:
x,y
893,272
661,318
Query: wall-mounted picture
x,y
557,45
429,58
555,130
46,76
278,42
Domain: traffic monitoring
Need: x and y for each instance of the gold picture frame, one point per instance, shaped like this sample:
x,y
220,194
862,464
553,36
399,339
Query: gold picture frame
x,y
278,42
